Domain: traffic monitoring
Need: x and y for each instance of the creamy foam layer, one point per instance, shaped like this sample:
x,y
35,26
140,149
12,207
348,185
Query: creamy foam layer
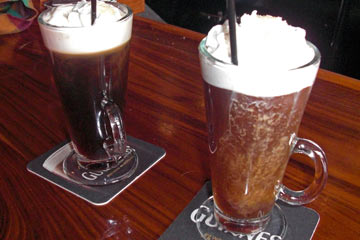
x,y
67,28
267,49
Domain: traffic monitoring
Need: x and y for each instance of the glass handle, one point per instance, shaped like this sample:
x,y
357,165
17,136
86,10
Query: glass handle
x,y
115,141
313,151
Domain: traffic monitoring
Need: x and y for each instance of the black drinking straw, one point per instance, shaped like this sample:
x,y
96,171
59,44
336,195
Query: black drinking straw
x,y
232,20
93,11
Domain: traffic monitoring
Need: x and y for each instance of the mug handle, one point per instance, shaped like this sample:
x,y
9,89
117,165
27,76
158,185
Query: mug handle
x,y
115,142
313,151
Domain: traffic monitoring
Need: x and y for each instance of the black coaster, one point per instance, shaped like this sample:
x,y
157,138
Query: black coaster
x,y
49,167
302,222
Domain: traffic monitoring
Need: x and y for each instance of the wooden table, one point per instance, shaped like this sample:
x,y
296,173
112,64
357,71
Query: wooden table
x,y
165,107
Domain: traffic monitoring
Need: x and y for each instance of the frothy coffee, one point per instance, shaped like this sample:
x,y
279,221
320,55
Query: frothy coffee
x,y
90,67
266,46
253,112
112,28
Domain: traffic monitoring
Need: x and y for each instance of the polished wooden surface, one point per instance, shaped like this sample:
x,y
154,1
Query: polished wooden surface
x,y
137,6
165,107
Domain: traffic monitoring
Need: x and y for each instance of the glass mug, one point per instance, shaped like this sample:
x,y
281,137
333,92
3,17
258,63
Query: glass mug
x,y
90,69
251,139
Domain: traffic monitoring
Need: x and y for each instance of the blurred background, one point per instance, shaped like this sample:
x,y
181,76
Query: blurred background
x,y
332,25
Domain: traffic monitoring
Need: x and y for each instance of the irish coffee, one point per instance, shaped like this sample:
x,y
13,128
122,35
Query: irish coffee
x,y
90,69
254,110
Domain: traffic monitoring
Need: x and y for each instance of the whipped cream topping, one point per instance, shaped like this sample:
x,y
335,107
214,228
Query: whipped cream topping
x,y
268,48
79,14
67,28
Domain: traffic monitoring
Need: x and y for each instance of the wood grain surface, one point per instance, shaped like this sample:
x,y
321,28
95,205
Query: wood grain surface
x,y
165,107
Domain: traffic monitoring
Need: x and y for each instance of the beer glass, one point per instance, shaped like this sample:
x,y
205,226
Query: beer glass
x,y
90,69
251,138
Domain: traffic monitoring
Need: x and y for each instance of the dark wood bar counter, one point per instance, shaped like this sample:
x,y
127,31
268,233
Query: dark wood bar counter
x,y
165,107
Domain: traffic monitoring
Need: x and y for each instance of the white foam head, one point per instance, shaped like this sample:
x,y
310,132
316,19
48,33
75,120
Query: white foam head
x,y
268,50
67,28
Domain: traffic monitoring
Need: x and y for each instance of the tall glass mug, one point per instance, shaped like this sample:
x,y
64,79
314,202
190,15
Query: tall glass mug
x,y
251,139
90,68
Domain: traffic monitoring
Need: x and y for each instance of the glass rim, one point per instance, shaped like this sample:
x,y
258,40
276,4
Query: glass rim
x,y
203,51
116,4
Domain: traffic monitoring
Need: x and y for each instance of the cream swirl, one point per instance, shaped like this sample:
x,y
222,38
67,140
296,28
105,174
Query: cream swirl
x,y
79,14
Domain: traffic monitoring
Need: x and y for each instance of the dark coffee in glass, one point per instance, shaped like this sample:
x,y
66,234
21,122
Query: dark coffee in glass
x,y
83,81
90,69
